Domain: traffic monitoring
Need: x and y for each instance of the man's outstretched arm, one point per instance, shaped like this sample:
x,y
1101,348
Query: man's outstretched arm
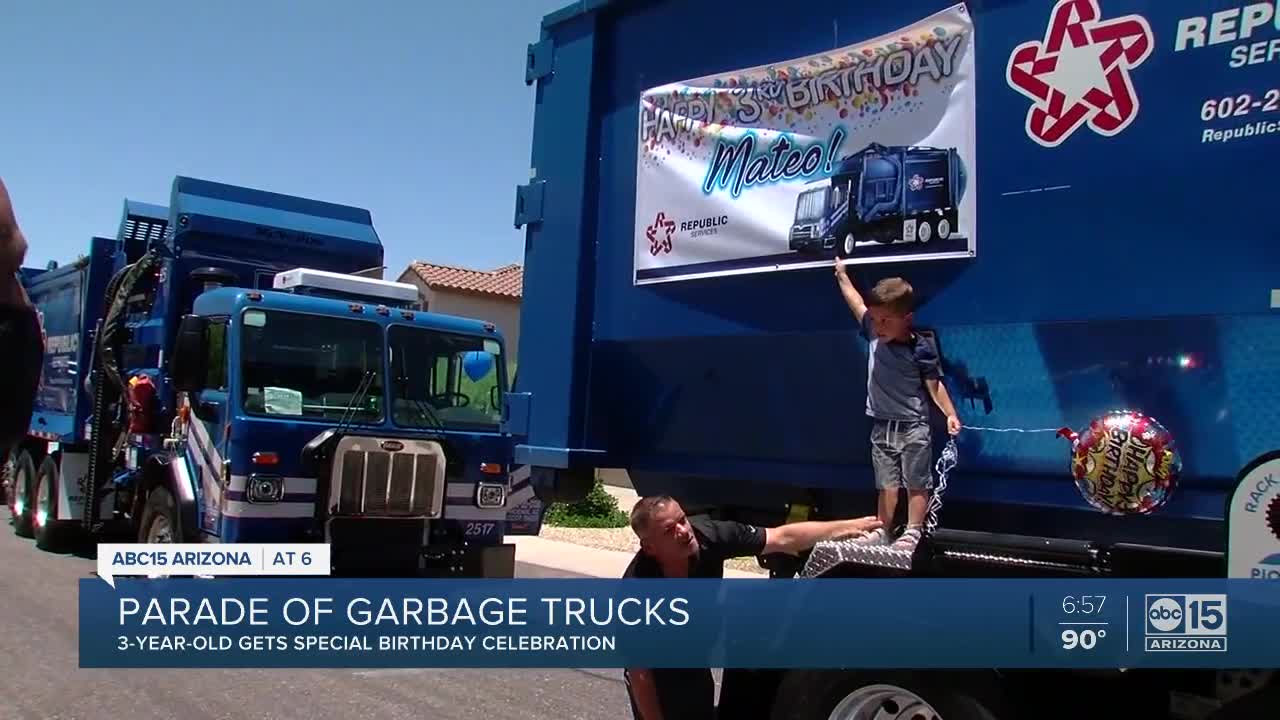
x,y
645,693
13,245
794,538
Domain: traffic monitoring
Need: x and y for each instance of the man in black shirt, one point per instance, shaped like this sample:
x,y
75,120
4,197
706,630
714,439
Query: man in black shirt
x,y
673,545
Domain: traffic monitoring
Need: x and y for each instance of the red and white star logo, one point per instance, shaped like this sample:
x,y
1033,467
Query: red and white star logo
x,y
661,224
1080,72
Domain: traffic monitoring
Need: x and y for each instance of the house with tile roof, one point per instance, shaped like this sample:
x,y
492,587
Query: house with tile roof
x,y
492,295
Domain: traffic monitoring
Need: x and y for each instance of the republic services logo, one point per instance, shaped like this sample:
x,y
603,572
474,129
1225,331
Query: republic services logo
x,y
1079,73
661,225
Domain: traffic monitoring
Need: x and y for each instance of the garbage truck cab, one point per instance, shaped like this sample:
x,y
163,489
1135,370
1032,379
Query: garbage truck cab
x,y
329,408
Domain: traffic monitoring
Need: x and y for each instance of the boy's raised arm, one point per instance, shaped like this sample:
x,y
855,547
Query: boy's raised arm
x,y
851,296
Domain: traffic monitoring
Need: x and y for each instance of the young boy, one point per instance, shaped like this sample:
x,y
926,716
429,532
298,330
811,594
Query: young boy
x,y
901,369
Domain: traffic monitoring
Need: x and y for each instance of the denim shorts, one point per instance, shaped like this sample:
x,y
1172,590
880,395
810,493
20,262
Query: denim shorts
x,y
902,454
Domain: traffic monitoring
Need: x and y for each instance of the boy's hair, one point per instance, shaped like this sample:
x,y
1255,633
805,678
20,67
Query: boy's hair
x,y
894,294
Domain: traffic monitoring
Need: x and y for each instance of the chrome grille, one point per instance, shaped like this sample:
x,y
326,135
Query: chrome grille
x,y
371,481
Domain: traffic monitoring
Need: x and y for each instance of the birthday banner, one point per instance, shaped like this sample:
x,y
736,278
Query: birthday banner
x,y
553,623
865,151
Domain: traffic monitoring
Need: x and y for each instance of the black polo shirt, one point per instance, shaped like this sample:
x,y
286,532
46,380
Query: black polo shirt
x,y
689,693
718,541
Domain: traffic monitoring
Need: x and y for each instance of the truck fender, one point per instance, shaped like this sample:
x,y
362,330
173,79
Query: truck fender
x,y
555,485
172,474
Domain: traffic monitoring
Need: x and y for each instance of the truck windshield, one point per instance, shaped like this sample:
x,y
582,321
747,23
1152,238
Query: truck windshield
x,y
811,205
310,366
445,379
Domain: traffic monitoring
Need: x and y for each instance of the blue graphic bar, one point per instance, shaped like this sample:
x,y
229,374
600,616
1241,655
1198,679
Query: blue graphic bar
x,y
553,623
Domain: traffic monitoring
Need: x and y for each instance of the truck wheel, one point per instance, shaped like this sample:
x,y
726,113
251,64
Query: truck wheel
x,y
944,228
1256,704
849,244
21,472
924,231
44,516
159,518
887,695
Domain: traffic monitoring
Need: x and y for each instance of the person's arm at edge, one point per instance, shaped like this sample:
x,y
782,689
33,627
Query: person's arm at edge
x,y
13,245
851,294
797,537
931,369
940,396
645,693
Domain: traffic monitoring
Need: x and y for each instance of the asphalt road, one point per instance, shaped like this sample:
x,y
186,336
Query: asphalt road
x,y
40,676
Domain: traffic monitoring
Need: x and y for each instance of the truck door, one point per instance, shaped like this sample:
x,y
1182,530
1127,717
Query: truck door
x,y
207,438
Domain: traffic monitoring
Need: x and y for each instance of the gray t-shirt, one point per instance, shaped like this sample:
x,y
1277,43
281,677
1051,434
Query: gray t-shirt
x,y
896,372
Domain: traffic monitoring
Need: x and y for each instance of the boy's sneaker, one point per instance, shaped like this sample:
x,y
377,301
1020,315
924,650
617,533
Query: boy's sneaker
x,y
908,540
873,537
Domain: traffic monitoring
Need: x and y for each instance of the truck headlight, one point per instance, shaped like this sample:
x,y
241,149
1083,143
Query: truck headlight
x,y
265,489
491,495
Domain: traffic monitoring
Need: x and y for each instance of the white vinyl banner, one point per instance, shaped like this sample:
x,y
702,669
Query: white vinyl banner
x,y
865,153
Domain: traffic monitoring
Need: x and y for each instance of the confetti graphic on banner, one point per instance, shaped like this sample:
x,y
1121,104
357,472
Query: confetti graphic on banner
x,y
863,110
764,136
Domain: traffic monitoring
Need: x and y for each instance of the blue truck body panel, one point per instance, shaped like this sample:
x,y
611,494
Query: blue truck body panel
x,y
69,301
1121,271
216,221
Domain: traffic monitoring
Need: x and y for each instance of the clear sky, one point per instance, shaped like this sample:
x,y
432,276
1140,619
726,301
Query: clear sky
x,y
414,109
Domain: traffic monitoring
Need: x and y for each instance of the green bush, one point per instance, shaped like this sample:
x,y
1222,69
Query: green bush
x,y
598,509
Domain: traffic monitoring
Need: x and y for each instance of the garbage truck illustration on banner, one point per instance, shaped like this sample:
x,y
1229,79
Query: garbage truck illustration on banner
x,y
881,196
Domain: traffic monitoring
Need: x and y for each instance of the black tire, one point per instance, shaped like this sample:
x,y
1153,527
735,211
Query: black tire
x,y
49,534
1260,703
161,513
23,471
946,226
815,694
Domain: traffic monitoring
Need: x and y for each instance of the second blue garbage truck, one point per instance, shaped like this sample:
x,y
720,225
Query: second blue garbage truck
x,y
1117,163
225,370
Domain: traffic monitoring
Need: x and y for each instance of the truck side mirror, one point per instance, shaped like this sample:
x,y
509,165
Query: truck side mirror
x,y
495,398
187,366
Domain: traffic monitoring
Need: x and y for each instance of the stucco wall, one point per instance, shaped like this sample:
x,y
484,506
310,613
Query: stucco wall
x,y
504,313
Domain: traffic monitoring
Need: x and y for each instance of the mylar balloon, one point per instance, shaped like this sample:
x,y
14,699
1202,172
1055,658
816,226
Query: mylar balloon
x,y
477,364
1124,463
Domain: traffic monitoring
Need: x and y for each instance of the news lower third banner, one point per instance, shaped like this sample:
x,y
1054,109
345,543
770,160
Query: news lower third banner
x,y
302,622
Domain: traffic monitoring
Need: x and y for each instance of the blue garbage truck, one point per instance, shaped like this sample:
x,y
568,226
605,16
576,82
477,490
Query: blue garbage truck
x,y
225,369
881,196
1116,160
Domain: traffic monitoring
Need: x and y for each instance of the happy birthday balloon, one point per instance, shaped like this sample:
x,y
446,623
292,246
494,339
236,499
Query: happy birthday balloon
x,y
477,364
1124,463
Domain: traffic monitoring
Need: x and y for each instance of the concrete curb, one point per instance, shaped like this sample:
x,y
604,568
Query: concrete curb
x,y
593,562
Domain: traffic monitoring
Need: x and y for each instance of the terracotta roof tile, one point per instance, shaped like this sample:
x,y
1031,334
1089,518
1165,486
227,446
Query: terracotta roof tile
x,y
506,281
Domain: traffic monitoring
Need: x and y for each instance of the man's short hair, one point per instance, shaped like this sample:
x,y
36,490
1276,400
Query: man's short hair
x,y
642,513
894,294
